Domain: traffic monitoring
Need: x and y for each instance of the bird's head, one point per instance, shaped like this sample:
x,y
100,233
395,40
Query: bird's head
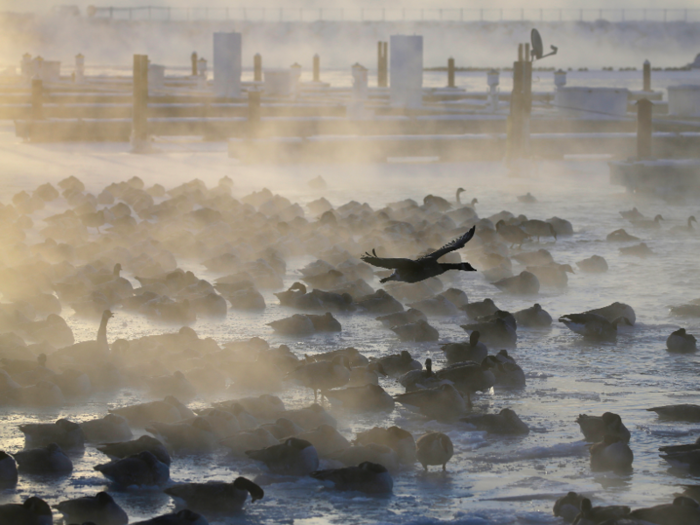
x,y
465,266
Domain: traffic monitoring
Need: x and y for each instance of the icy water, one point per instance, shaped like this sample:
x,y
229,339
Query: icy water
x,y
490,479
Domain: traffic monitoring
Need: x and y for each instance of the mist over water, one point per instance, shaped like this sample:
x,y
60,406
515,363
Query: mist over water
x,y
268,216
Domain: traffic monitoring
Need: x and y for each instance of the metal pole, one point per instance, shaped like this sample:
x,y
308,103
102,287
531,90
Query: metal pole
x,y
140,103
317,68
451,72
646,76
257,68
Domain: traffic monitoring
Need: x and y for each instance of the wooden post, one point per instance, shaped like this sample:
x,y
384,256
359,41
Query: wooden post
x,y
317,68
647,76
193,58
139,117
520,106
644,128
451,72
253,113
257,68
37,99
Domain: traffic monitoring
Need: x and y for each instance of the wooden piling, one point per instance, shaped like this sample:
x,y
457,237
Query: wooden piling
x,y
257,68
451,72
139,116
317,68
253,113
382,64
193,59
518,128
647,76
37,99
644,128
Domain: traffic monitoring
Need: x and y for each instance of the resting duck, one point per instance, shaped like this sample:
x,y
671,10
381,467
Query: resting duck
x,y
413,271
326,439
401,318
681,342
367,477
469,377
182,517
533,317
8,470
49,459
420,331
294,457
140,469
217,496
398,439
100,508
685,229
683,511
34,511
594,264
131,448
505,422
417,379
434,448
63,432
523,284
323,375
480,308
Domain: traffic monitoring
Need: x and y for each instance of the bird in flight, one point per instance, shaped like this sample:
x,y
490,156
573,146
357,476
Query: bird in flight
x,y
410,271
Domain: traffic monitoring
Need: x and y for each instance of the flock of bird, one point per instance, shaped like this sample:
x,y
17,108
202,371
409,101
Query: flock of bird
x,y
73,261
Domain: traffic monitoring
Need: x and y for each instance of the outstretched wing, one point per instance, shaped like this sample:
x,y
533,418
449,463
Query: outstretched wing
x,y
390,263
451,246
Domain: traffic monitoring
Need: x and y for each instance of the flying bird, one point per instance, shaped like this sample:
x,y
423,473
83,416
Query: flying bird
x,y
413,271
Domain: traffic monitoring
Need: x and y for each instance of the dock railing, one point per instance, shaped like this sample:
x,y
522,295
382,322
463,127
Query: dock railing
x,y
382,14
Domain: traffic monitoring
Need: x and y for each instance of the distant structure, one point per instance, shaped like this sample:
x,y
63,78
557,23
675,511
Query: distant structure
x,y
695,64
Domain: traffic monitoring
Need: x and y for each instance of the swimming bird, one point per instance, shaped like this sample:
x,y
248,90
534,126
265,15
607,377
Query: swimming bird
x,y
593,326
505,422
294,457
169,410
8,470
683,511
34,511
621,236
590,515
325,438
217,496
552,274
86,351
528,198
632,215
683,412
474,350
182,517
245,440
413,271
647,224
368,477
506,371
372,452
100,508
140,469
401,318
568,506
614,311
497,331
687,228
595,428
434,448
49,459
611,454
681,342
